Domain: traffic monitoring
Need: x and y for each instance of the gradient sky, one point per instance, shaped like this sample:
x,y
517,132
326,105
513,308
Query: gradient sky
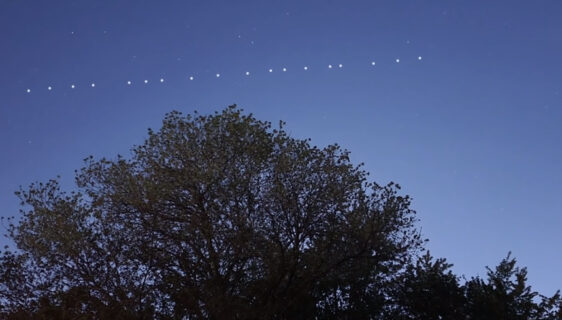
x,y
471,131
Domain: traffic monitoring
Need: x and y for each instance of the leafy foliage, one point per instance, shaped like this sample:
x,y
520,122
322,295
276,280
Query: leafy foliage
x,y
429,290
213,217
505,295
224,217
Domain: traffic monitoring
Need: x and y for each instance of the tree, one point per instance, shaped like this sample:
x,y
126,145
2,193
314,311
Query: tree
x,y
212,217
505,295
429,290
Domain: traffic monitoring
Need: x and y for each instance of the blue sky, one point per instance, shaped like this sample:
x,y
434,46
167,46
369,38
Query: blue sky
x,y
471,131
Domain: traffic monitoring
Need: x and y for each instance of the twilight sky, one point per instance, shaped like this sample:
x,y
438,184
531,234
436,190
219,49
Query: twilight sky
x,y
472,130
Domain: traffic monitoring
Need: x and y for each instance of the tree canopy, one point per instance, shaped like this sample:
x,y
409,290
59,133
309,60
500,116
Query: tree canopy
x,y
223,216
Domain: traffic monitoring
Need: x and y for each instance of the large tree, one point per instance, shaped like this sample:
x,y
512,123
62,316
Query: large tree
x,y
212,217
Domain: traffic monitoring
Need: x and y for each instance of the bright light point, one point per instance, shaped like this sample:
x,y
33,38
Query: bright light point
x,y
270,70
419,58
218,75
161,79
49,88
373,63
340,65
397,60
72,86
305,68
93,85
28,90
145,81
190,78
247,73
284,69
329,66
129,83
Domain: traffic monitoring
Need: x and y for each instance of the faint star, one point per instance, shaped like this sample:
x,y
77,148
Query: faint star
x,y
72,86
329,66
247,73
191,78
340,65
270,70
373,63
93,85
49,88
419,58
397,60
129,83
218,75
28,90
161,80
145,81
305,68
284,69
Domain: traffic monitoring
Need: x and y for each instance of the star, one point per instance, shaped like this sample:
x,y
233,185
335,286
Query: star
x,y
218,75
129,83
305,68
28,90
419,58
340,65
161,80
397,60
284,69
191,78
72,86
373,63
270,70
145,81
247,73
49,88
93,85
329,66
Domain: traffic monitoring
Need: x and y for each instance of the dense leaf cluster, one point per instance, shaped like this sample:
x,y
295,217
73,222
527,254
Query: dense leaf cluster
x,y
224,217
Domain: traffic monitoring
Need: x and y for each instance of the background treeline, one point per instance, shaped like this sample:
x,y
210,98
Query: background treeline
x,y
225,217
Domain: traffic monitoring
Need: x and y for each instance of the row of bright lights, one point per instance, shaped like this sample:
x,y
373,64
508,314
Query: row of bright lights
x,y
247,73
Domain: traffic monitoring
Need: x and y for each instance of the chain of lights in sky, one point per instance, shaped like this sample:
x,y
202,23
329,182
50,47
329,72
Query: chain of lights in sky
x,y
217,75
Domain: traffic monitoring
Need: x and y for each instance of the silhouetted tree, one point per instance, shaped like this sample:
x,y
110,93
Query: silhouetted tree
x,y
223,217
213,217
505,295
429,290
